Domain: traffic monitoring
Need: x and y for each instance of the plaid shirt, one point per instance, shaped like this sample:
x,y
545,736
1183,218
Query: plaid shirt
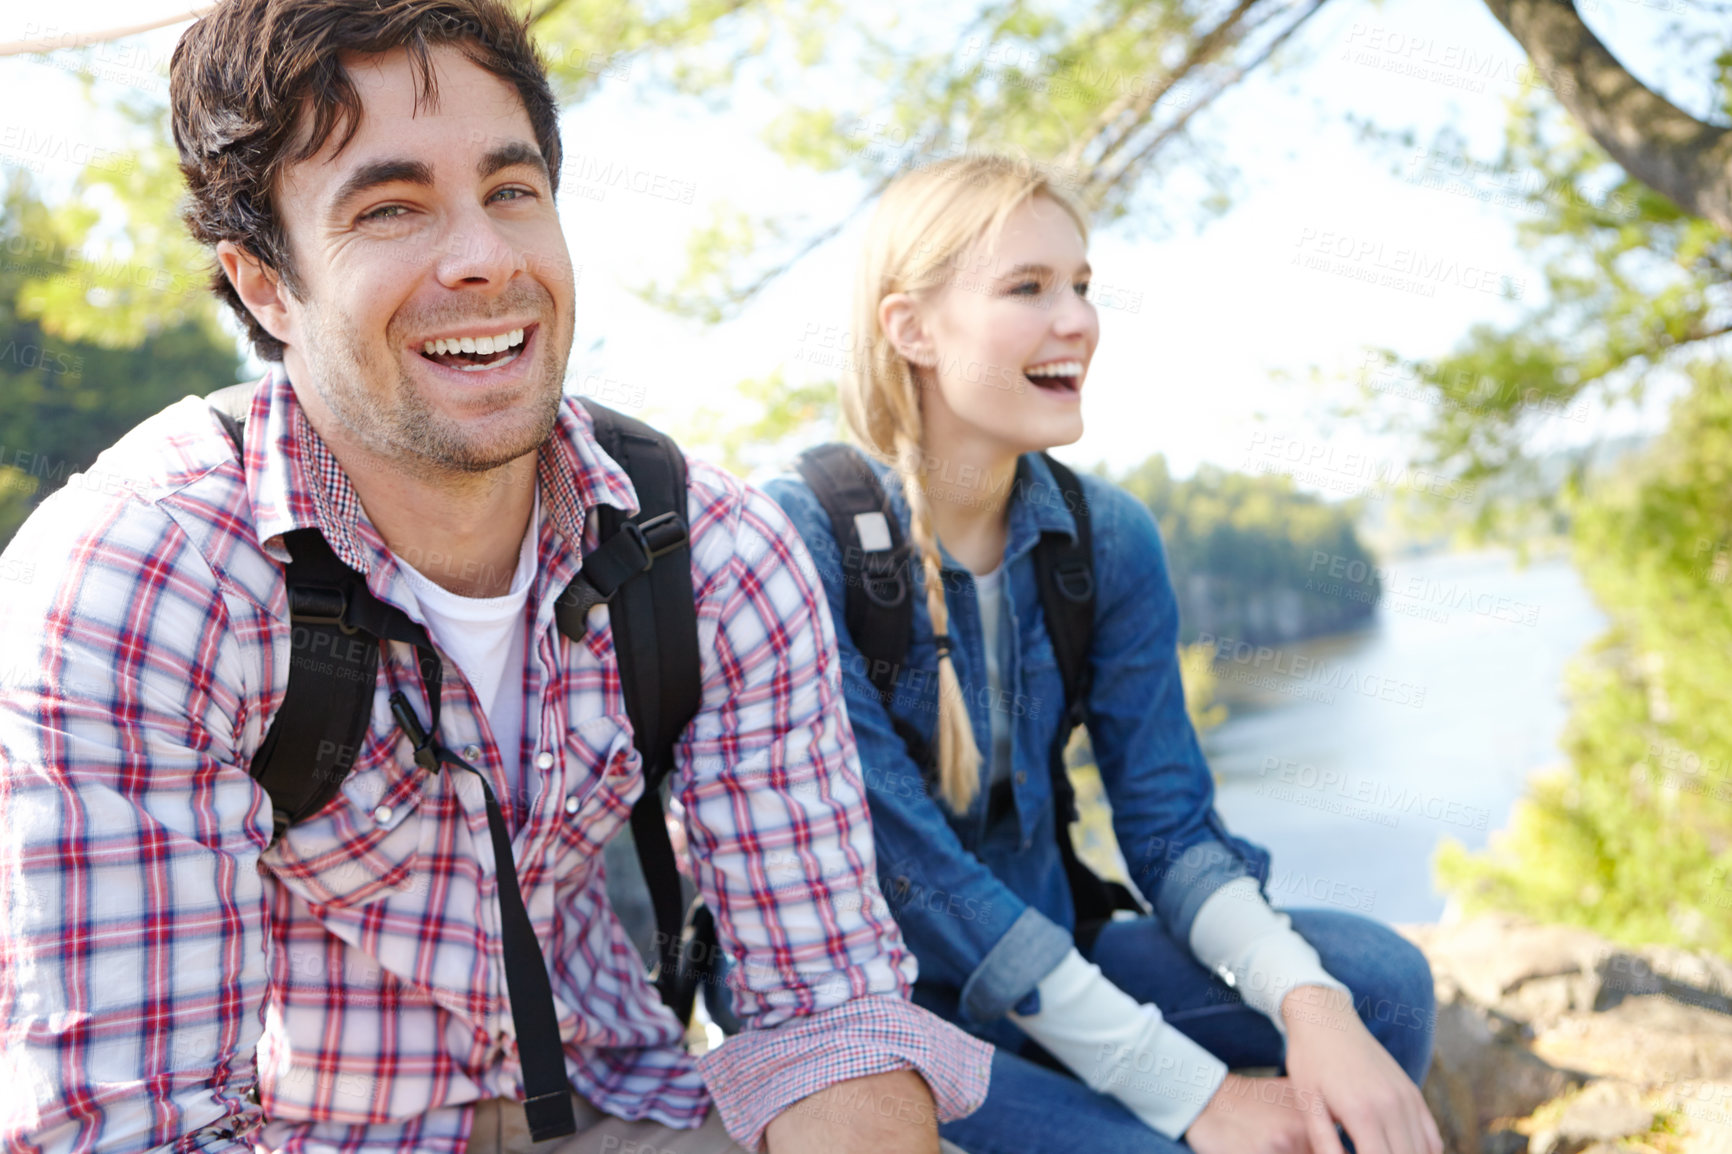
x,y
165,978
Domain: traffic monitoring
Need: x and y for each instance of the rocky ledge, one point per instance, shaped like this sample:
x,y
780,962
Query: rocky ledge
x,y
1553,1040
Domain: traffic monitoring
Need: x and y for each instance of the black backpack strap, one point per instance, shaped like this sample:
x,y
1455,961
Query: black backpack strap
x,y
1064,570
642,568
318,731
337,631
875,558
333,663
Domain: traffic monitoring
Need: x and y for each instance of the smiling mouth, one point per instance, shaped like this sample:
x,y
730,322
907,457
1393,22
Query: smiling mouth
x,y
473,354
1056,377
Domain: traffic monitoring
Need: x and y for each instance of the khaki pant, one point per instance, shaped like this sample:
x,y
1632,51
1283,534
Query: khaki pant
x,y
500,1128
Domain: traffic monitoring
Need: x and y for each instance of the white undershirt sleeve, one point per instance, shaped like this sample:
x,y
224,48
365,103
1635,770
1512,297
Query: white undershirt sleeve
x,y
1122,1047
1256,950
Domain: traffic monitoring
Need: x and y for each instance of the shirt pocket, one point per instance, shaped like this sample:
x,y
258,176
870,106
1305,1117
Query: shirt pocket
x,y
1038,701
605,779
366,843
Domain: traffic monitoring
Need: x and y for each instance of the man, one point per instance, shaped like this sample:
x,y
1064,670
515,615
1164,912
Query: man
x,y
377,178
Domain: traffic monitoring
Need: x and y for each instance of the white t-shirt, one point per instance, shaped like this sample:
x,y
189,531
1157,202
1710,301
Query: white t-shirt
x,y
989,587
488,638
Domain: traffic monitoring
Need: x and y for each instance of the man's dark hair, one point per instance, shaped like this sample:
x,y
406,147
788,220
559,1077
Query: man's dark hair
x,y
258,85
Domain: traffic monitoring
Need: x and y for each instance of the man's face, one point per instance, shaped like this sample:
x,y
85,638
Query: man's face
x,y
431,237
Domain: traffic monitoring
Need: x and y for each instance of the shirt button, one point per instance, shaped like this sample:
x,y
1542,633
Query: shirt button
x,y
472,753
1021,777
1028,843
382,814
544,760
570,803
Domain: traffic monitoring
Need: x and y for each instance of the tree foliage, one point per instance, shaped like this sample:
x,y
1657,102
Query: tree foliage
x,y
1250,555
64,398
1633,835
1104,97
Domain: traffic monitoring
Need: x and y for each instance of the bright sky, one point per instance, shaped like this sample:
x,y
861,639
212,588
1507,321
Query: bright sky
x,y
1212,363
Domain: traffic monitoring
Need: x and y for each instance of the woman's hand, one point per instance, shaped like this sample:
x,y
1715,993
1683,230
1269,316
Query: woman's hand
x,y
1335,1061
1253,1116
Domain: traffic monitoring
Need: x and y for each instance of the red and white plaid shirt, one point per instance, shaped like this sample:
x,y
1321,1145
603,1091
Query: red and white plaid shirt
x,y
167,979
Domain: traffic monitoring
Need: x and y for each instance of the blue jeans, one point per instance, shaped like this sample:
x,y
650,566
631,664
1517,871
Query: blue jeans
x,y
1032,1107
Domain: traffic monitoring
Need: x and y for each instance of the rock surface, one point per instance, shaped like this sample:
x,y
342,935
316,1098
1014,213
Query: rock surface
x,y
1552,1040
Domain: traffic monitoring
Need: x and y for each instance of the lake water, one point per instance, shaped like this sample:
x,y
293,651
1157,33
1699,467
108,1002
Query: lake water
x,y
1352,757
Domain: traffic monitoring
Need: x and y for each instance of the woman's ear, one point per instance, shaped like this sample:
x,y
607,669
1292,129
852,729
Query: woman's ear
x,y
259,288
899,315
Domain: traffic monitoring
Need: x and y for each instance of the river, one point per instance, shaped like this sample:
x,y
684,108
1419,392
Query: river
x,y
1351,757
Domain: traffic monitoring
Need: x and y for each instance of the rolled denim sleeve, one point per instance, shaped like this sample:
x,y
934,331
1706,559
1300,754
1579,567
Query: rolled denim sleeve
x,y
968,929
1176,846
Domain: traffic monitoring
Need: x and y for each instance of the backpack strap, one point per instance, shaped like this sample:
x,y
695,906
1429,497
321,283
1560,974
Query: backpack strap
x,y
338,629
1064,571
878,603
642,569
323,720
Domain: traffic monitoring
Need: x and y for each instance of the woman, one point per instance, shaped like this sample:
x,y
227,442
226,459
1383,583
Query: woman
x,y
973,340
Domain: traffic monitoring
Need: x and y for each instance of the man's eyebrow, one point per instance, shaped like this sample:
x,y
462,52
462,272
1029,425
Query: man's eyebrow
x,y
380,172
507,155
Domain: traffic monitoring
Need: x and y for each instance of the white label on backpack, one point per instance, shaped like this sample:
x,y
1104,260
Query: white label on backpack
x,y
874,531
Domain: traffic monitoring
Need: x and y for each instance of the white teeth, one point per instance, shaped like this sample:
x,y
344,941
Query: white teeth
x,y
1056,369
496,344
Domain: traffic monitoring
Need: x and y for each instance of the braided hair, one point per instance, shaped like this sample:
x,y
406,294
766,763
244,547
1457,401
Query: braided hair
x,y
925,221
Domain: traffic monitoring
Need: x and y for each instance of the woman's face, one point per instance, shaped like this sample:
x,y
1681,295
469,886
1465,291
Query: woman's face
x,y
1007,342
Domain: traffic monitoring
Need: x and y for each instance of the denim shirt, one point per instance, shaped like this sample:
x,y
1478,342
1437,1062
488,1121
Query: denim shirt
x,y
986,907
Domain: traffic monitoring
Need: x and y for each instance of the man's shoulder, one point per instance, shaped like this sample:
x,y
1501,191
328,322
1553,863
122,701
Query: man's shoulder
x,y
736,522
172,486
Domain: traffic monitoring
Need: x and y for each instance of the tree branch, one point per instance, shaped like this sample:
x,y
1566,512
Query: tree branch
x,y
85,39
1138,102
1654,140
1127,168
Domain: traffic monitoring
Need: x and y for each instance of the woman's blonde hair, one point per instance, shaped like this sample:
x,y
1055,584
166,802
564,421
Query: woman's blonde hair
x,y
925,222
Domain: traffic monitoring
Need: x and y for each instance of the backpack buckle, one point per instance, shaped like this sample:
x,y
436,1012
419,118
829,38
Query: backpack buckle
x,y
660,535
319,605
1075,581
885,583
